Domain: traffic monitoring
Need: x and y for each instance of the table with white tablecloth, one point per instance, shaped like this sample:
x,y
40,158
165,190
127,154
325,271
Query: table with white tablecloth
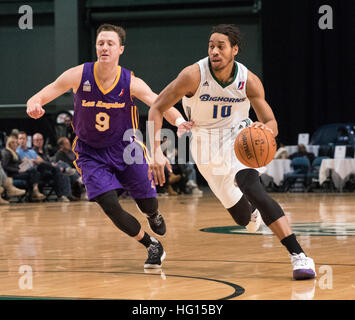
x,y
276,170
338,169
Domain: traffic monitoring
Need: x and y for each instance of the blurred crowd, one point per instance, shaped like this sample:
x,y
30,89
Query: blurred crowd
x,y
33,170
282,153
183,178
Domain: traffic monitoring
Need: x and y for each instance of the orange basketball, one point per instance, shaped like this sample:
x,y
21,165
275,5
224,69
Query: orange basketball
x,y
255,147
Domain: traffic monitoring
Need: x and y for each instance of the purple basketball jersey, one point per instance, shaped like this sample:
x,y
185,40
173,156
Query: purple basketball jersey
x,y
105,122
101,117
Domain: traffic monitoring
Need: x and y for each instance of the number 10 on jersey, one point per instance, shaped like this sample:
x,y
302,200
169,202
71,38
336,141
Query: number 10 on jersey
x,y
225,111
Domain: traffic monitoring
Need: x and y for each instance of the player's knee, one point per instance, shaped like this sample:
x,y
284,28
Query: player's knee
x,y
122,219
248,181
148,206
109,202
241,211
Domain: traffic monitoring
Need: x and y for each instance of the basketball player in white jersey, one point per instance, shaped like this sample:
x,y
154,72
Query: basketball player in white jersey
x,y
217,92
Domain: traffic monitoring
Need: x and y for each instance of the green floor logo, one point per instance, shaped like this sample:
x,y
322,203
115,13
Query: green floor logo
x,y
305,229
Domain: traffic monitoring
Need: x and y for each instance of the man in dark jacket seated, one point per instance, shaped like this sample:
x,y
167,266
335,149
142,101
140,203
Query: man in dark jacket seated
x,y
302,152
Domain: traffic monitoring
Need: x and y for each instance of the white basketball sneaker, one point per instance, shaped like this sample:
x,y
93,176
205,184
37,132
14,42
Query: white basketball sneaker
x,y
303,267
255,221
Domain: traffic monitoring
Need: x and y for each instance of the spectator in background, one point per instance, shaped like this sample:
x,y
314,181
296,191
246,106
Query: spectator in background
x,y
11,164
6,183
66,170
168,149
191,184
183,177
66,154
188,181
14,132
281,152
38,146
171,177
65,129
41,150
302,152
46,169
69,132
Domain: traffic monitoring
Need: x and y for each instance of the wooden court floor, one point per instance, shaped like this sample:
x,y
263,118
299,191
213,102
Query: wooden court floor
x,y
73,251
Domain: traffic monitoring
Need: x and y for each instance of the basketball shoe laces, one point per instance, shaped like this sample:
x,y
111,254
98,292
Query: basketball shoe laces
x,y
157,219
153,251
299,260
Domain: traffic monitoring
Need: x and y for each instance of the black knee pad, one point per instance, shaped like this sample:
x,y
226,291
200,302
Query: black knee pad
x,y
148,205
122,219
241,211
109,201
248,181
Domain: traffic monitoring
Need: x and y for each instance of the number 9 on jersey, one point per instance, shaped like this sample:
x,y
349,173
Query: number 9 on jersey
x,y
102,121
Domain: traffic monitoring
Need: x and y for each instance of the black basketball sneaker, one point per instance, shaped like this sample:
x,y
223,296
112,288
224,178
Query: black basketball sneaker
x,y
156,255
156,222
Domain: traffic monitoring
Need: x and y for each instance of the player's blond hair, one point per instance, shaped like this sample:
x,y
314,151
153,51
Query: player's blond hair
x,y
11,138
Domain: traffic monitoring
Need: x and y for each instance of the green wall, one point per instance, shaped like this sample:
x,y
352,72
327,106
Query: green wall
x,y
157,53
162,38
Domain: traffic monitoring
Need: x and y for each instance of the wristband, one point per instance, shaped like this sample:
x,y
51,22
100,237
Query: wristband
x,y
179,121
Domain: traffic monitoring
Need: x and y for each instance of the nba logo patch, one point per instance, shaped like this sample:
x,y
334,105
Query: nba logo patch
x,y
241,85
87,86
121,93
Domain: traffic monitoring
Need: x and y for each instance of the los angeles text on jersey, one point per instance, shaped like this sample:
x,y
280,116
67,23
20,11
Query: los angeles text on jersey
x,y
101,104
207,97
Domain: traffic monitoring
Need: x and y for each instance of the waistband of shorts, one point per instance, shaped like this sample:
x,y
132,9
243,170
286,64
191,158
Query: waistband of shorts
x,y
116,145
244,124
238,126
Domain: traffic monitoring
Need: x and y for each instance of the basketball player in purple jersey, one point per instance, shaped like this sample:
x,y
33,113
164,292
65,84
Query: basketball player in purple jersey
x,y
219,77
104,110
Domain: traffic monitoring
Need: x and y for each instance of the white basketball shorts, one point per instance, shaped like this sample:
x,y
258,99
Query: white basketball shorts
x,y
213,153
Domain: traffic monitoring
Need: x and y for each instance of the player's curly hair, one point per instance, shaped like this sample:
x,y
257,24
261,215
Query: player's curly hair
x,y
110,27
231,31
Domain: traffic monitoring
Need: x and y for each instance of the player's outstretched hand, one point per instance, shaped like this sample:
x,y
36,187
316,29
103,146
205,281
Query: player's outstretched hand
x,y
35,110
156,167
184,127
261,125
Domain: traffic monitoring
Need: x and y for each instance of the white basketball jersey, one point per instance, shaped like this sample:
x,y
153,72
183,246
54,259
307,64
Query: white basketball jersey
x,y
217,106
